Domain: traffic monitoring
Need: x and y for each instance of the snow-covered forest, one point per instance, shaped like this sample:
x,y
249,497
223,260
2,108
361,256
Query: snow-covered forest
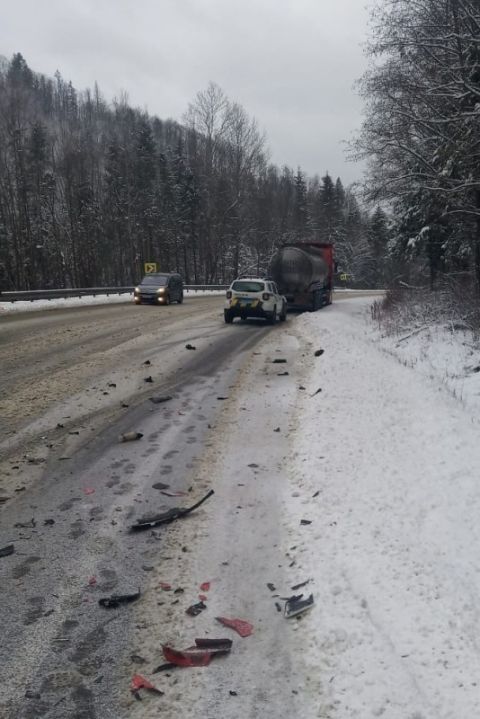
x,y
91,190
421,136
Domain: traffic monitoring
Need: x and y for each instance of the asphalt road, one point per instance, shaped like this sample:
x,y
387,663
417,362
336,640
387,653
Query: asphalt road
x,y
76,489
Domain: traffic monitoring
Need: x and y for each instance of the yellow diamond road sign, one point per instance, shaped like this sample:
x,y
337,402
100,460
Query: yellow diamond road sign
x,y
150,267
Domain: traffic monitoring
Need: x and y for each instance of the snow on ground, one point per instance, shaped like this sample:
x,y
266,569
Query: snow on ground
x,y
384,465
394,543
65,302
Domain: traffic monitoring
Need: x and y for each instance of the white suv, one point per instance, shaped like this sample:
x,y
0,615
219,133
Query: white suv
x,y
254,297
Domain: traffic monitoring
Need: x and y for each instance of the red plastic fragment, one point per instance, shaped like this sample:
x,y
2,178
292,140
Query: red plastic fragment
x,y
92,581
139,682
205,587
203,597
165,586
198,656
88,490
186,658
245,629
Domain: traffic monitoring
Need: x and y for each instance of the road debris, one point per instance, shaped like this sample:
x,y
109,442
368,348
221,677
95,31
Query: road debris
x,y
279,361
297,605
271,586
301,585
205,587
138,659
233,693
179,493
160,399
198,656
302,387
92,581
115,600
148,379
283,374
190,347
139,682
319,353
160,485
48,522
130,436
195,609
222,398
26,525
278,606
165,586
304,522
111,384
245,629
88,490
277,429
7,550
317,392
169,516
316,494
147,363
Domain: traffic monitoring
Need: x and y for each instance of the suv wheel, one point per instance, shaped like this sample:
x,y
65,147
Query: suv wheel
x,y
228,317
283,316
180,298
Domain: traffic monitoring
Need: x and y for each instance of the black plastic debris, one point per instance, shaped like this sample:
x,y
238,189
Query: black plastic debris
x,y
169,516
302,387
233,693
317,392
48,522
278,606
160,485
148,379
297,605
222,398
283,374
147,362
130,436
7,550
137,659
277,429
26,525
111,384
159,399
278,360
190,347
271,586
195,609
305,521
316,494
115,600
319,353
301,585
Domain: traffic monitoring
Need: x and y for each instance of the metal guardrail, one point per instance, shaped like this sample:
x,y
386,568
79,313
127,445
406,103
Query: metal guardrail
x,y
32,295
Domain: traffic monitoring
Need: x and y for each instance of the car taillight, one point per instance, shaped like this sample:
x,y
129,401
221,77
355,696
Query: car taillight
x,y
229,295
265,296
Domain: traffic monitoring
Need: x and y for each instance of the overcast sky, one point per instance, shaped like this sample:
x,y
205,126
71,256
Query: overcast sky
x,y
290,63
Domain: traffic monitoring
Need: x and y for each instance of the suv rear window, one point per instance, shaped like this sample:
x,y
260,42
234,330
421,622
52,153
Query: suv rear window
x,y
247,286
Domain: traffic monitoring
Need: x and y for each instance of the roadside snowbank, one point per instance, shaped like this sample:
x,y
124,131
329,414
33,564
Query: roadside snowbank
x,y
9,307
394,542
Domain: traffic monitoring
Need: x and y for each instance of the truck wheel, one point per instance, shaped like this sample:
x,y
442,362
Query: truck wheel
x,y
228,317
273,317
180,299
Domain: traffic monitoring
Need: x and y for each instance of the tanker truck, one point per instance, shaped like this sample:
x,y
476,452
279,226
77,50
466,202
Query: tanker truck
x,y
303,272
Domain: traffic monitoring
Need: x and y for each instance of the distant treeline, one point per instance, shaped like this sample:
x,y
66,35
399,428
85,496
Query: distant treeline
x,y
89,191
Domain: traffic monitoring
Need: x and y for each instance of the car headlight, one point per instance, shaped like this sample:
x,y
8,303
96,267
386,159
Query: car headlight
x,y
161,291
136,290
